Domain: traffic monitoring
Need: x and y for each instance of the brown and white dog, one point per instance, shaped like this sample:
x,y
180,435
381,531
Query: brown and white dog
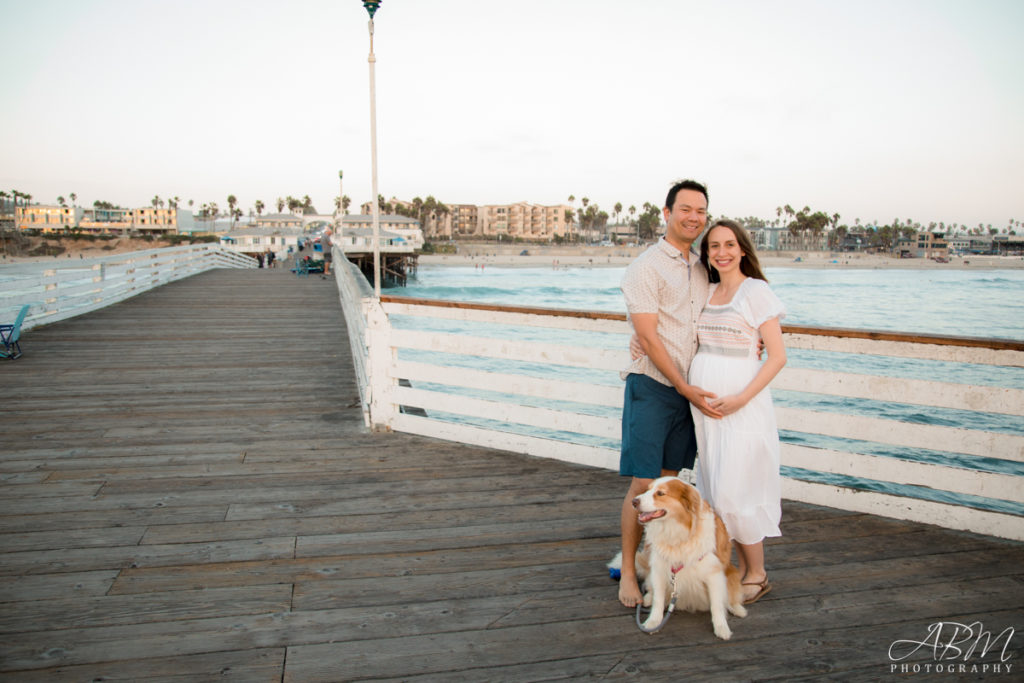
x,y
685,552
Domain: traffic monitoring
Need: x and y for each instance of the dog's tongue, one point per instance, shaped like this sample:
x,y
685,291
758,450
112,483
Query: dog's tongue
x,y
645,517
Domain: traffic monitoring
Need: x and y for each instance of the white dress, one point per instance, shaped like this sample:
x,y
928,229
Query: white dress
x,y
738,456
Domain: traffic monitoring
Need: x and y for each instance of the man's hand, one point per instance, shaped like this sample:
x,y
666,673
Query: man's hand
x,y
702,400
727,405
636,349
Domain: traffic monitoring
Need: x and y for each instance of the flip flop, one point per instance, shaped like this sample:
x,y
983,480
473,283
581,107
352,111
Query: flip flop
x,y
764,586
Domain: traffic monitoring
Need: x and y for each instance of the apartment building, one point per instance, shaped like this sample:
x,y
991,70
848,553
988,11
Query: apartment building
x,y
47,217
464,219
524,221
923,245
520,220
146,221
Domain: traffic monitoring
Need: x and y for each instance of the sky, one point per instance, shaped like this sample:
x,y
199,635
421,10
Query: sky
x,y
909,109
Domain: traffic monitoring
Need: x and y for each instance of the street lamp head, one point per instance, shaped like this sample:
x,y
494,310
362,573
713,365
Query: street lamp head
x,y
372,6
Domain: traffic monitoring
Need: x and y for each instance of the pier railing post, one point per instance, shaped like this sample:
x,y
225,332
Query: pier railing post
x,y
381,355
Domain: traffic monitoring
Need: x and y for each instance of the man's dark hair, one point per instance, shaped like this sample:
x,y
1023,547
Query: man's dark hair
x,y
684,185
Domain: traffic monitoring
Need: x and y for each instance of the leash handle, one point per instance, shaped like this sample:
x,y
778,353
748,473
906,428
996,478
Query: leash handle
x,y
668,613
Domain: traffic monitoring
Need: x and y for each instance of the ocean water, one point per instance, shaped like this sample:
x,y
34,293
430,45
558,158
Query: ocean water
x,y
987,303
954,302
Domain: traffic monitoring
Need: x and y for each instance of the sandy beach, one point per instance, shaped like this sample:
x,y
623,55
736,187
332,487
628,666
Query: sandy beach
x,y
479,254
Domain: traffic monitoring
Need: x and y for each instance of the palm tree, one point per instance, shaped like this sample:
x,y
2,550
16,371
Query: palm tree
x,y
61,200
232,203
259,207
618,210
74,198
155,201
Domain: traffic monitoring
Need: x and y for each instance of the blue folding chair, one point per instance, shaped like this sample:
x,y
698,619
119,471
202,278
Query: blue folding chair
x,y
10,334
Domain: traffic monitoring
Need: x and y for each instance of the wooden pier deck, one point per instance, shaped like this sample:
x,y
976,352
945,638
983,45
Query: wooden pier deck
x,y
188,493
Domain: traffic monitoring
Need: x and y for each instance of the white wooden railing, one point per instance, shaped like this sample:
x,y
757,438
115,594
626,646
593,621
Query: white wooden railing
x,y
57,289
413,378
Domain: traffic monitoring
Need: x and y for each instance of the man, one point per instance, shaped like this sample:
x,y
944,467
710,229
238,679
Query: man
x,y
665,289
325,244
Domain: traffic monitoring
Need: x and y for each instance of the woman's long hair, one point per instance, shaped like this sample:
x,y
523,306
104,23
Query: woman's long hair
x,y
749,265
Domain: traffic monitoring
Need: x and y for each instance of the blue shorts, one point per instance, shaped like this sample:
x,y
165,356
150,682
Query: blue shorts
x,y
657,429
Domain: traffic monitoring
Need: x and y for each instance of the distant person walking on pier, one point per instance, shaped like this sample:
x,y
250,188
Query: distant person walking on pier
x,y
665,289
325,244
738,469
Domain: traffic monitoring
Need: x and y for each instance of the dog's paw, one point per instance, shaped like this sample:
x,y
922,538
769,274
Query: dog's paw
x,y
648,599
738,609
652,622
723,632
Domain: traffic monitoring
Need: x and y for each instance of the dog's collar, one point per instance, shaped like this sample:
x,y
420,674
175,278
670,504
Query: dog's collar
x,y
679,567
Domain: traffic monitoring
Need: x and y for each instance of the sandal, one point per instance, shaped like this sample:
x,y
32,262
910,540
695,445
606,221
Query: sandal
x,y
764,588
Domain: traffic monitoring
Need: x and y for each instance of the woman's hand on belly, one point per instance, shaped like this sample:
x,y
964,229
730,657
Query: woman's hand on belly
x,y
727,405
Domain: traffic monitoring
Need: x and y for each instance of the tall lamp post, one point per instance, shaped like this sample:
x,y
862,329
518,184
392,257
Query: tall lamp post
x,y
371,7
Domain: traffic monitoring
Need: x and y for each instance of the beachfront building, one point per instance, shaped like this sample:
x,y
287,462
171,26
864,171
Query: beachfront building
x,y
624,234
801,241
108,221
854,241
6,213
400,228
253,240
279,221
764,237
47,217
144,221
959,244
929,245
1008,245
464,219
522,221
360,240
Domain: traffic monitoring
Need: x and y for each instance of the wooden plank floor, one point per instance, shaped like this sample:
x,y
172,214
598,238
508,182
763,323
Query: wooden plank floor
x,y
189,494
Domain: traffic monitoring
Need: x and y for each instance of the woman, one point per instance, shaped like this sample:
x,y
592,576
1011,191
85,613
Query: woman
x,y
738,467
